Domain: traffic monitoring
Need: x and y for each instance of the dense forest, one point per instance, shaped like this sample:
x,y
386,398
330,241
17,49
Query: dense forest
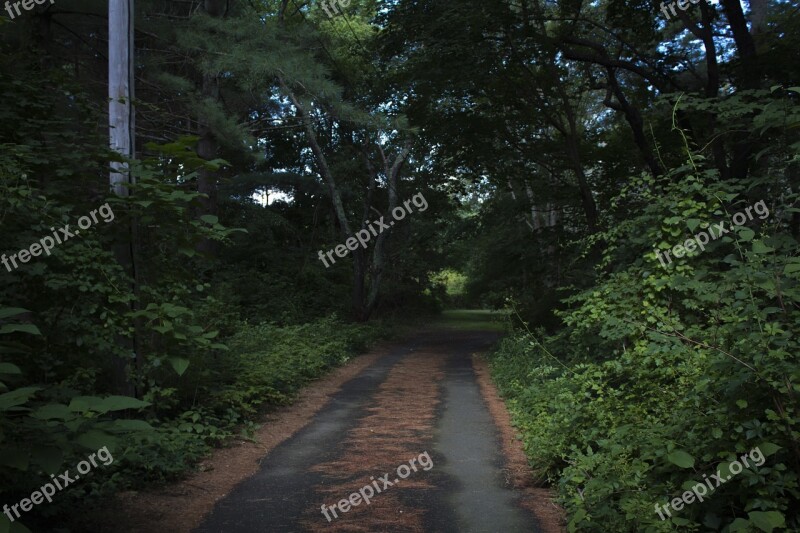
x,y
303,180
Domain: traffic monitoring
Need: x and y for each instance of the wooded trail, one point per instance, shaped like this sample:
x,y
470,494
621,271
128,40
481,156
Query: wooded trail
x,y
408,443
423,396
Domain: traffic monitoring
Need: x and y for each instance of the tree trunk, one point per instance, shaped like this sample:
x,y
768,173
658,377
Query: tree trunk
x,y
635,122
322,161
378,253
745,45
587,200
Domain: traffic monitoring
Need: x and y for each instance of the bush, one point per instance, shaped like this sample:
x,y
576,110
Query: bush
x,y
272,363
662,376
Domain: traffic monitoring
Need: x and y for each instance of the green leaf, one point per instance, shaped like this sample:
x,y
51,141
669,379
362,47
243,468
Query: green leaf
x,y
580,514
210,219
768,449
761,248
724,471
6,312
94,439
131,425
740,524
693,223
681,459
119,403
16,397
53,410
791,268
766,521
746,234
688,484
80,404
104,405
22,328
179,364
6,526
8,368
49,458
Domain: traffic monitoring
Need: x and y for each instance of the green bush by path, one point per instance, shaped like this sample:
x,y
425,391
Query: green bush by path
x,y
605,433
273,363
265,366
161,438
661,376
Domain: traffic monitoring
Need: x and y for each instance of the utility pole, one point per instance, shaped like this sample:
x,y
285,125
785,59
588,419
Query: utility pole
x,y
121,139
120,89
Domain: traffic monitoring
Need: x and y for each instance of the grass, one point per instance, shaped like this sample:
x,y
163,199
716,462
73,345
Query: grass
x,y
473,320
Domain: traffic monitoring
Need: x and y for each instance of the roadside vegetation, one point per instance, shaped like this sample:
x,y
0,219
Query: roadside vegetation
x,y
658,376
561,149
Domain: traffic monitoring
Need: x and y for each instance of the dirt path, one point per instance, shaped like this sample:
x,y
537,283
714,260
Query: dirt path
x,y
417,430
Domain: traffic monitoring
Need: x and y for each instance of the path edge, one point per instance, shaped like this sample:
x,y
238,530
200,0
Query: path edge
x,y
535,497
182,505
